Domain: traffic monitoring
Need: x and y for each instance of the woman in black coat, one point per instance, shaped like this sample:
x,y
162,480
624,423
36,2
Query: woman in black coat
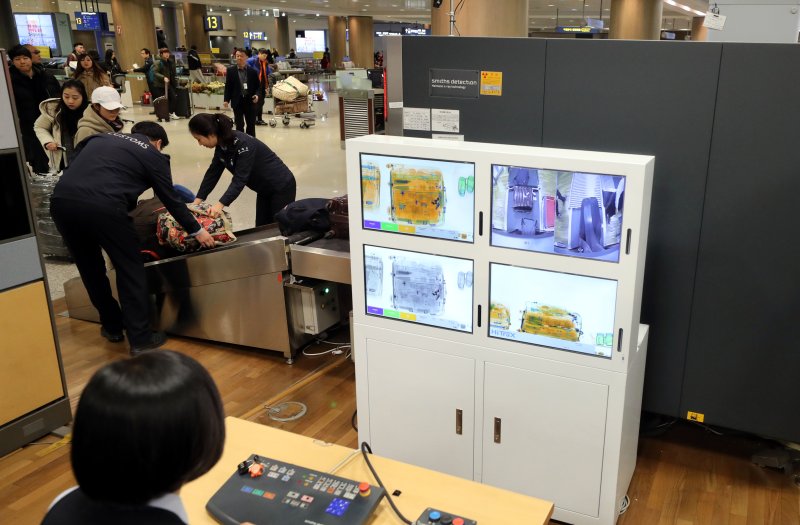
x,y
250,161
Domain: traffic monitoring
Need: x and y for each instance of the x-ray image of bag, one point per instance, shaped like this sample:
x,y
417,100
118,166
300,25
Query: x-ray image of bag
x,y
373,270
418,287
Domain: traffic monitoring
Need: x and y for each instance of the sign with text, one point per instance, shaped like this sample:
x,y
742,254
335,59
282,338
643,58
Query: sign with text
x,y
212,23
254,35
85,21
714,21
576,29
457,83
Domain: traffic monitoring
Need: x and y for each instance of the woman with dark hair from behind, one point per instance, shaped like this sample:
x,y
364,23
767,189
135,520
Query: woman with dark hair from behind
x,y
250,161
111,64
143,428
57,125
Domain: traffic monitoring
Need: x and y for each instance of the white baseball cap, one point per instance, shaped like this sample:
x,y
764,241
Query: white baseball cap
x,y
107,97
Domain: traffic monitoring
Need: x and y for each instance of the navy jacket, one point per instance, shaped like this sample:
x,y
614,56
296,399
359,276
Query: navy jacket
x,y
78,509
253,165
233,86
113,169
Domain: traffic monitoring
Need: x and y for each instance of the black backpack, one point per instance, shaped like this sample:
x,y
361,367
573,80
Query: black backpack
x,y
304,215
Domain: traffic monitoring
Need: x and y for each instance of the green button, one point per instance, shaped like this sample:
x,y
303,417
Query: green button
x,y
391,313
389,227
257,492
609,339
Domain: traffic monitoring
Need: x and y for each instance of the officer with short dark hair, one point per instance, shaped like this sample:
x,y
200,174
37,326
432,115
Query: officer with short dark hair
x,y
90,206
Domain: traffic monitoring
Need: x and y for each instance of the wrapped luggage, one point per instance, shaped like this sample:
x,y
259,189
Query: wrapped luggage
x,y
171,233
289,90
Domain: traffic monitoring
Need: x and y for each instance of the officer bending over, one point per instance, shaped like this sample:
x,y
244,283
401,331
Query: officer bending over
x,y
90,206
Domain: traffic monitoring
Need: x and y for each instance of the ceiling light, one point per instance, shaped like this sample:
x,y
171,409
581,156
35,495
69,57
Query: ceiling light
x,y
317,14
283,14
228,10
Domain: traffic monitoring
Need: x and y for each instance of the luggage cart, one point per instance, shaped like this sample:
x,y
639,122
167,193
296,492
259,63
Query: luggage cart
x,y
299,109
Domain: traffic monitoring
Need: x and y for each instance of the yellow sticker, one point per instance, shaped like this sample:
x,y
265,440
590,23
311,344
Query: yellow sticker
x,y
408,317
492,83
696,416
407,229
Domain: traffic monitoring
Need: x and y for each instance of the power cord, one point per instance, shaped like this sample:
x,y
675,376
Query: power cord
x,y
626,502
364,449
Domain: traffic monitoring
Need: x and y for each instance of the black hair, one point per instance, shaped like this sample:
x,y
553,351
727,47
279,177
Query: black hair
x,y
19,50
263,51
157,417
68,118
151,130
146,51
76,44
109,54
219,124
193,47
163,50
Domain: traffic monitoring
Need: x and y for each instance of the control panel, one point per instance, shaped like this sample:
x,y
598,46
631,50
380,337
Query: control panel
x,y
265,490
433,516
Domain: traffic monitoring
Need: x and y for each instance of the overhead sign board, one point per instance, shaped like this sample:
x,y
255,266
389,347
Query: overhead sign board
x,y
212,23
90,21
254,35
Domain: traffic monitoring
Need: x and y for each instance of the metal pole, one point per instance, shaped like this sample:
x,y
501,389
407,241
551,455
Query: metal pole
x,y
452,19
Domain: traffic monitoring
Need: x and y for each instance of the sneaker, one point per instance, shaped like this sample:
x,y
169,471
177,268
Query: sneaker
x,y
156,339
174,116
260,123
112,335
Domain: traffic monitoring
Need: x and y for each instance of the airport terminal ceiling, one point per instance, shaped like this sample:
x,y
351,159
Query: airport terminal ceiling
x,y
542,14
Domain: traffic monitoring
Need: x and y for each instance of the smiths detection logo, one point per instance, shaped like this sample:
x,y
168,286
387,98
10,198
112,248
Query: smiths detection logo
x,y
459,83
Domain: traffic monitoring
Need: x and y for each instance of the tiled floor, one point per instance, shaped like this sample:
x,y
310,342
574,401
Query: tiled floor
x,y
314,155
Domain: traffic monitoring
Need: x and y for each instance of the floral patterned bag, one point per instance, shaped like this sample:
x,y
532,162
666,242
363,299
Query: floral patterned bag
x,y
171,233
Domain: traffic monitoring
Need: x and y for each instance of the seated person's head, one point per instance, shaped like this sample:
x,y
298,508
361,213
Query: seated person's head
x,y
145,426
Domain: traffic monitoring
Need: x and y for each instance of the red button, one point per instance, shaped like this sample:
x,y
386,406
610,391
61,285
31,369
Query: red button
x,y
364,489
458,521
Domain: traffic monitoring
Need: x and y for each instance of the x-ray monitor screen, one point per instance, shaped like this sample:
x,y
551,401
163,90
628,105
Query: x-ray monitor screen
x,y
558,310
414,196
560,212
421,288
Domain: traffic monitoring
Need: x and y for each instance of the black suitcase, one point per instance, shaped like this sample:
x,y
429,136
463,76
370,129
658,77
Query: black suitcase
x,y
161,107
183,104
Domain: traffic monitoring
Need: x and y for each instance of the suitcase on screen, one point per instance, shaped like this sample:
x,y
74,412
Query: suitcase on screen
x,y
183,103
161,107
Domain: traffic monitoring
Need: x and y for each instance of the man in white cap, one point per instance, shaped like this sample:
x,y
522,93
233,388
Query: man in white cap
x,y
102,116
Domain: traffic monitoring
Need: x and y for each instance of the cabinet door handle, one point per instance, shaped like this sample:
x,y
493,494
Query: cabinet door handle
x,y
497,429
459,421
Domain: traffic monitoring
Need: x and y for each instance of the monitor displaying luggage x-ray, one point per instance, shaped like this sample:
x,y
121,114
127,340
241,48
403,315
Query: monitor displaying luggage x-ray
x,y
419,287
554,309
559,212
415,196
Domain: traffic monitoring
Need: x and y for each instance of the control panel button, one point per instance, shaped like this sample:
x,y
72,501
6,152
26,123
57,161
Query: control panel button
x,y
458,521
364,489
434,516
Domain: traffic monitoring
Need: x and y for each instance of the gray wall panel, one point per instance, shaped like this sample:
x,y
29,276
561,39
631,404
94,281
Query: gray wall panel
x,y
654,98
743,352
20,262
513,118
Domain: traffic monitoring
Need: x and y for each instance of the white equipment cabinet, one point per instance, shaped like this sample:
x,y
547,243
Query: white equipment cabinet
x,y
449,378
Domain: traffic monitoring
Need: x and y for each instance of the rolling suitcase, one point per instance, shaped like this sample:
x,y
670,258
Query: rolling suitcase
x,y
183,103
161,107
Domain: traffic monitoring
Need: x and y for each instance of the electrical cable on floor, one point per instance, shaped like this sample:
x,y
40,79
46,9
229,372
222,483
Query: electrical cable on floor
x,y
335,351
364,449
708,428
626,502
273,411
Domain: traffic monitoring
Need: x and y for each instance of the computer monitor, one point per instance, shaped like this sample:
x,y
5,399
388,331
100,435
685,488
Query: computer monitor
x,y
558,310
420,288
418,196
559,212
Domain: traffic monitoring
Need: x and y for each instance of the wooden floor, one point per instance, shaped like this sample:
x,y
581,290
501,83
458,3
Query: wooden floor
x,y
685,476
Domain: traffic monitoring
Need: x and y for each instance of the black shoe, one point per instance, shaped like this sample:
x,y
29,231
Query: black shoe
x,y
114,337
152,112
156,339
260,123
